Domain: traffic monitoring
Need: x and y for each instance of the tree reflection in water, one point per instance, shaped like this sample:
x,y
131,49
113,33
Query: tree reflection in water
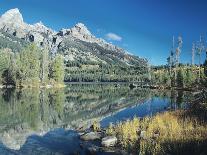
x,y
35,111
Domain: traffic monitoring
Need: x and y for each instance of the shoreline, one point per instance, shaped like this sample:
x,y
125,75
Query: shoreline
x,y
33,86
131,85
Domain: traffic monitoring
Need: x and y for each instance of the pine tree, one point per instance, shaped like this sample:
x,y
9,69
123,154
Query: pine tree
x,y
4,61
189,77
180,78
7,67
30,64
44,66
166,79
57,69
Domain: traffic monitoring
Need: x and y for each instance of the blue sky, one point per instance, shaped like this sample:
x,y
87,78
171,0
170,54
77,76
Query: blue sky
x,y
143,27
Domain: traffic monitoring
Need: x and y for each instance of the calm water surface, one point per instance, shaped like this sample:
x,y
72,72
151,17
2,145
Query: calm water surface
x,y
42,121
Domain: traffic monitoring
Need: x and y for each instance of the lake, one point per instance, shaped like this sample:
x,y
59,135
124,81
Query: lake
x,y
42,121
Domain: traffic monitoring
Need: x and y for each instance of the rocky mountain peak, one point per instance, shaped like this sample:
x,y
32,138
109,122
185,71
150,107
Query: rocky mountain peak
x,y
12,15
39,24
40,27
82,29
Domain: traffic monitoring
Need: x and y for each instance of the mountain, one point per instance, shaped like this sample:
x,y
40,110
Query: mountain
x,y
79,47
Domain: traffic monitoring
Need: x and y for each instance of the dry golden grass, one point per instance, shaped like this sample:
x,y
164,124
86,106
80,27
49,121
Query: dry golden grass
x,y
164,133
96,126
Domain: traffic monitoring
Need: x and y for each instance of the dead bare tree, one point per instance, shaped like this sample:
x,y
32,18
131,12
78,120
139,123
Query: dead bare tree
x,y
193,55
177,54
199,49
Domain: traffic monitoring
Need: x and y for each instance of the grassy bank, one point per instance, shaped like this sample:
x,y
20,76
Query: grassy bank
x,y
166,133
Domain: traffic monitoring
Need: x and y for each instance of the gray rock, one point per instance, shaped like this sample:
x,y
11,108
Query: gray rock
x,y
109,141
142,134
90,136
81,133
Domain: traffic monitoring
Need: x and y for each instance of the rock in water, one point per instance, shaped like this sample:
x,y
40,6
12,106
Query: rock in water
x,y
109,141
90,136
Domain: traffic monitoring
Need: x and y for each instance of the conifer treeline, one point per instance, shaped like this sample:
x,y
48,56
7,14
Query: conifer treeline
x,y
30,67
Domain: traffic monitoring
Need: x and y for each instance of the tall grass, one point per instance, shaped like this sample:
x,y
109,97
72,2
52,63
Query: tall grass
x,y
166,133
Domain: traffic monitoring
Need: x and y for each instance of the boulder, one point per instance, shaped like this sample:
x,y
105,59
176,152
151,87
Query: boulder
x,y
81,133
109,141
142,134
90,136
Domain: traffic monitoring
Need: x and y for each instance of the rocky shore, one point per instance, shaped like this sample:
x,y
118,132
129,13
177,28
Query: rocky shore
x,y
98,142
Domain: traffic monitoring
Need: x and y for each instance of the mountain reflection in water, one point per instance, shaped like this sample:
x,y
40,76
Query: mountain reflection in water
x,y
30,118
